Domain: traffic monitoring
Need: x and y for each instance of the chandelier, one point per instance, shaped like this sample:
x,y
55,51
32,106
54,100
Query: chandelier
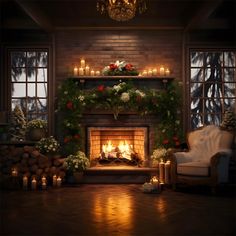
x,y
121,10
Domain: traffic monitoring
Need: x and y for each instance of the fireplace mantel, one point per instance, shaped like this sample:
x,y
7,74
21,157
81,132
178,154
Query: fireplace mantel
x,y
139,81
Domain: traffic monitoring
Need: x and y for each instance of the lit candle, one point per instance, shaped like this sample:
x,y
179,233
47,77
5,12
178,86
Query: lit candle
x,y
167,72
155,182
82,63
25,182
75,71
161,170
167,172
44,179
59,181
150,72
162,70
97,73
33,184
154,71
14,172
54,180
44,185
81,71
145,73
92,73
87,70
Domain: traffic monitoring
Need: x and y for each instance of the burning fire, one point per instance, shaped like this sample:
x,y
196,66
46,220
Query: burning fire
x,y
122,150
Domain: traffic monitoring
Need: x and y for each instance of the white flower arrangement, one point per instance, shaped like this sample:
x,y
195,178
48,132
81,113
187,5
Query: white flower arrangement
x,y
48,145
125,97
77,162
159,154
37,123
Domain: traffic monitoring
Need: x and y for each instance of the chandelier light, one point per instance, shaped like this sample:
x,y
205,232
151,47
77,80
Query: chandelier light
x,y
121,10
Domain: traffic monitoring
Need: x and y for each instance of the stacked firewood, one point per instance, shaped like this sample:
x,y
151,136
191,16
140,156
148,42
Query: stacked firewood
x,y
28,161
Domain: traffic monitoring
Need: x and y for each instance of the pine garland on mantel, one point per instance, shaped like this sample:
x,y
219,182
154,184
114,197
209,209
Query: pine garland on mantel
x,y
123,96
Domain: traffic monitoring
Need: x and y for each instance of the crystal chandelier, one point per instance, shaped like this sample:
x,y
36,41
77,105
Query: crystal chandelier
x,y
121,10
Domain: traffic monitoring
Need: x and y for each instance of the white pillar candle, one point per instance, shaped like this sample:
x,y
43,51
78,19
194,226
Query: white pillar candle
x,y
25,182
44,185
167,72
92,73
150,72
97,73
82,63
87,70
154,71
54,180
14,172
162,70
161,171
59,181
33,184
167,172
75,71
145,73
81,71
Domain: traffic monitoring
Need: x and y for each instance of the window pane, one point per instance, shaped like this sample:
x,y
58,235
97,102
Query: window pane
x,y
197,59
32,75
230,104
42,75
31,90
18,75
18,90
19,102
213,90
31,59
18,59
196,75
42,90
229,59
32,107
196,121
230,90
42,59
196,105
212,118
213,105
214,59
230,75
214,75
196,89
42,105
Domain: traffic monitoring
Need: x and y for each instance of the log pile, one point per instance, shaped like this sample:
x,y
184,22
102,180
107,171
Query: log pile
x,y
28,161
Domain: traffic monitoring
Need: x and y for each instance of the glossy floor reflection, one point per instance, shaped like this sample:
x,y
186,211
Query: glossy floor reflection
x,y
115,210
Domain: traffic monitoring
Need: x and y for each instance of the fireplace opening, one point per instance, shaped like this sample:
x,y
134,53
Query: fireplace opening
x,y
112,146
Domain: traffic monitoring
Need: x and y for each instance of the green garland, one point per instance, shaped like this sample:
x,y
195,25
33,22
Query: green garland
x,y
121,97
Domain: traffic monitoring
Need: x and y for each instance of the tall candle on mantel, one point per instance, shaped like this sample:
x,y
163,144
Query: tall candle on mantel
x,y
162,70
81,71
167,72
33,184
54,180
75,71
82,63
167,172
154,71
161,171
92,73
87,70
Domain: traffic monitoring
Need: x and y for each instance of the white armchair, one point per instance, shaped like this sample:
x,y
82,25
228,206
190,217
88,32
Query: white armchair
x,y
207,161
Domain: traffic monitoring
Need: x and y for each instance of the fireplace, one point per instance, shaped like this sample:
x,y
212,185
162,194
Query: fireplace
x,y
109,146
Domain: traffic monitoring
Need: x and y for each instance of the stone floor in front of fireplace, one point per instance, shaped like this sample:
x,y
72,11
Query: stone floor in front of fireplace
x,y
117,210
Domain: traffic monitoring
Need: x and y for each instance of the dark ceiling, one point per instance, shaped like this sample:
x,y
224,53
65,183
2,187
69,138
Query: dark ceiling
x,y
161,14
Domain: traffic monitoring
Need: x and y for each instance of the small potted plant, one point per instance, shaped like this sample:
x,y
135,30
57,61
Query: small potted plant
x,y
36,129
48,145
75,164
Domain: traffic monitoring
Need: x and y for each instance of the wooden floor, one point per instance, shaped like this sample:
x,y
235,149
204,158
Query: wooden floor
x,y
118,209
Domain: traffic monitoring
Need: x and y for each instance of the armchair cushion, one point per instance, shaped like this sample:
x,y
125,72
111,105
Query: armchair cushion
x,y
197,168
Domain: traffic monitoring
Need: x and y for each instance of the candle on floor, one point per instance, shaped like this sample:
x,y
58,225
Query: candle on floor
x,y
54,180
161,170
82,63
33,184
75,71
25,182
14,172
167,172
59,181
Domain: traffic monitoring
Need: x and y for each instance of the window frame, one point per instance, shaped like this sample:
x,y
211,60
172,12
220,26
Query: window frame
x,y
188,97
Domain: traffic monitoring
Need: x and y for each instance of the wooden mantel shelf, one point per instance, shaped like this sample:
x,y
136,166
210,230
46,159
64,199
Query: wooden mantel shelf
x,y
164,79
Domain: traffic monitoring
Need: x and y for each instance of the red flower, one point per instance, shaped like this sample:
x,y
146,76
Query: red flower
x,y
129,67
77,136
69,105
113,66
177,143
66,139
165,141
101,88
175,138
